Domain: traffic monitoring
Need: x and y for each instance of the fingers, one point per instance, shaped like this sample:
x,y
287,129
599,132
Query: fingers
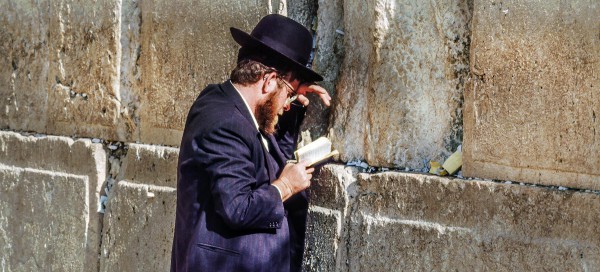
x,y
303,99
310,170
302,164
316,89
323,94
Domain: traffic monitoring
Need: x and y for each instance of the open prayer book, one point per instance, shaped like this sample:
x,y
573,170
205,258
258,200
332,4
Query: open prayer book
x,y
316,152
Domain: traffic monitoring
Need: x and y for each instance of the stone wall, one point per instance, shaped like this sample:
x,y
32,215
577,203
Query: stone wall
x,y
412,222
140,215
113,81
49,201
399,93
530,112
119,72
116,70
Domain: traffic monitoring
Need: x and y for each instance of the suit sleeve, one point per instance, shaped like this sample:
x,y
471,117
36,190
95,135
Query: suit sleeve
x,y
289,128
238,200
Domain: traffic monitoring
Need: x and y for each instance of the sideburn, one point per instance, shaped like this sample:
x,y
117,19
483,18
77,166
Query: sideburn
x,y
266,114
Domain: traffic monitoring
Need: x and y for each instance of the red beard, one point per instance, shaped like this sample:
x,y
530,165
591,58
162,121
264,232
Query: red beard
x,y
266,114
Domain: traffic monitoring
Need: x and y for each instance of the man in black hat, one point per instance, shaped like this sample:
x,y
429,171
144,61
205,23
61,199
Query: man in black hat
x,y
240,207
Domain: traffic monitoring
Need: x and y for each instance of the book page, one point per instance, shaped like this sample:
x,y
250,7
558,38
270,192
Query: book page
x,y
314,151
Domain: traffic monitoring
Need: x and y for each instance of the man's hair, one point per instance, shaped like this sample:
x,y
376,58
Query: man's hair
x,y
249,71
252,65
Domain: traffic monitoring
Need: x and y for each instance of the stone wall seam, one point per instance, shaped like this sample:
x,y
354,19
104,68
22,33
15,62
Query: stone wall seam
x,y
441,228
149,187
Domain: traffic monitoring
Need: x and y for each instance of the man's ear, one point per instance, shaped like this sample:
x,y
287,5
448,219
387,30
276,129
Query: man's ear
x,y
269,82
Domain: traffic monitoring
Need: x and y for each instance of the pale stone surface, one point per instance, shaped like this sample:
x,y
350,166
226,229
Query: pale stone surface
x,y
396,245
186,45
416,222
140,213
63,164
150,164
138,228
60,68
130,72
83,79
24,56
531,114
43,221
399,95
332,186
117,70
331,193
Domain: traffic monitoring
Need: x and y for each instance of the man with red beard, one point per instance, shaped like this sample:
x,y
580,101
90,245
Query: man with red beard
x,y
240,206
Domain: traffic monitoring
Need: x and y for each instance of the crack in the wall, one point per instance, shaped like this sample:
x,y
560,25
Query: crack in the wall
x,y
117,151
129,48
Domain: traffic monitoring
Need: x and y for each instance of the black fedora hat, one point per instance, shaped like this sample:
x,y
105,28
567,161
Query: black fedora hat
x,y
283,38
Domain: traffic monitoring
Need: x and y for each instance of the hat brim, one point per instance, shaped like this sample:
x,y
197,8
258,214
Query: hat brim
x,y
246,40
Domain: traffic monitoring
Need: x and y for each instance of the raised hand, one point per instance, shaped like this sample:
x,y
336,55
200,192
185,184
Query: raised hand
x,y
311,87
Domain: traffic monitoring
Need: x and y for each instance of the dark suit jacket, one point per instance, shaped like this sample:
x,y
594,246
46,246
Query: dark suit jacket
x,y
229,217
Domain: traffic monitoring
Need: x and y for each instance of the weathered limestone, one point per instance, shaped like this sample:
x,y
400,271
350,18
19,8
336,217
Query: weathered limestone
x,y
331,193
150,164
531,113
140,214
416,222
83,78
184,46
49,197
24,54
302,11
117,70
60,62
43,220
405,222
399,94
323,245
328,57
138,228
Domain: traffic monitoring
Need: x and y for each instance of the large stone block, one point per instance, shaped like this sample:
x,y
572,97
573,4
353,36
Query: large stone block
x,y
72,170
531,113
83,74
332,186
324,240
399,95
138,228
44,219
418,222
331,193
150,164
24,55
185,45
404,245
118,70
140,213
60,64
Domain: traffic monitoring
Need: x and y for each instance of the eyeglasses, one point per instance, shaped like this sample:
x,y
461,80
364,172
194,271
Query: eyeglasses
x,y
291,95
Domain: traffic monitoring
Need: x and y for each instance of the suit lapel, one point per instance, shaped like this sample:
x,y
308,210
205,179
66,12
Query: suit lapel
x,y
274,150
237,100
270,167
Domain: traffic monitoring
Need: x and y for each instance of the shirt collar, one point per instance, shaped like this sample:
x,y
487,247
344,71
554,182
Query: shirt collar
x,y
265,143
247,106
